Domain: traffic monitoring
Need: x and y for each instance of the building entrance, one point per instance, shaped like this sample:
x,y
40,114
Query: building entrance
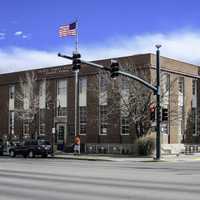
x,y
61,136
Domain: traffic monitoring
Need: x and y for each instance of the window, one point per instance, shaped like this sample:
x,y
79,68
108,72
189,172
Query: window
x,y
124,119
11,91
11,97
11,122
42,95
180,122
62,87
26,96
42,120
82,119
181,84
194,87
124,92
103,120
26,128
125,127
61,133
194,93
103,105
103,93
194,121
83,92
61,98
82,105
165,82
194,107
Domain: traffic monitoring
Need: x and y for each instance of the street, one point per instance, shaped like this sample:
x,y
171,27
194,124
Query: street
x,y
61,179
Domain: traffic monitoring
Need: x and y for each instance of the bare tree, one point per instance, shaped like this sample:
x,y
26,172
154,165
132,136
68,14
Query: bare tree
x,y
132,100
126,97
29,98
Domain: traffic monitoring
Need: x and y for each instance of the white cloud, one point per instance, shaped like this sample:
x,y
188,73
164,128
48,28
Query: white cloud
x,y
21,34
24,36
17,59
182,45
18,33
2,36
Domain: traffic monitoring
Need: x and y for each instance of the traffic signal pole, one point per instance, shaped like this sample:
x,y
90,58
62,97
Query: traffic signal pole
x,y
158,117
114,70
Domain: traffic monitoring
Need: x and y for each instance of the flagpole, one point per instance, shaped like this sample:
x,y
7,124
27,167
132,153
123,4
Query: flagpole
x,y
76,35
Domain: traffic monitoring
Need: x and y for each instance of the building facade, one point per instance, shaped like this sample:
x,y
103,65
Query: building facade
x,y
111,114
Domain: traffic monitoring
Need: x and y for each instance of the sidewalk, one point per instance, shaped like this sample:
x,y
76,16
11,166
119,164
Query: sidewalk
x,y
121,158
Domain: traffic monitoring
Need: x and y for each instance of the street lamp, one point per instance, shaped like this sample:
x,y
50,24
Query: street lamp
x,y
158,102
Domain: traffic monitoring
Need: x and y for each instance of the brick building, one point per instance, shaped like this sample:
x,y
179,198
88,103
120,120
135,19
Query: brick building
x,y
39,103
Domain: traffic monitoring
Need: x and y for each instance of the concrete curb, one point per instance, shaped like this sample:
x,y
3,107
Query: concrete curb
x,y
170,158
103,158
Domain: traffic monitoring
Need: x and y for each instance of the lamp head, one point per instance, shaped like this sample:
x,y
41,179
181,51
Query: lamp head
x,y
158,46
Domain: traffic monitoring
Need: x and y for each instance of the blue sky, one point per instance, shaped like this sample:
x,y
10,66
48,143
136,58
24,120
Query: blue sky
x,y
107,28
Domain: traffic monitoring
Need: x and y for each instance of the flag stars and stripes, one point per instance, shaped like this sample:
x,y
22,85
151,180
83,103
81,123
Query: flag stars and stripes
x,y
67,30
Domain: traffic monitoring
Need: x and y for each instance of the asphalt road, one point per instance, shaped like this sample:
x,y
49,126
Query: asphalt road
x,y
57,179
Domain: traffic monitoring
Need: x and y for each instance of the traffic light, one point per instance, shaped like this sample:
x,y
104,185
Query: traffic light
x,y
114,68
152,110
164,114
76,61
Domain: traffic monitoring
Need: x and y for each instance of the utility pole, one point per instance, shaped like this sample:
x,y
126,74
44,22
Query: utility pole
x,y
158,117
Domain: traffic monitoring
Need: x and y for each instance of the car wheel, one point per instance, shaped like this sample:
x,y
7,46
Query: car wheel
x,y
44,155
31,154
12,153
25,155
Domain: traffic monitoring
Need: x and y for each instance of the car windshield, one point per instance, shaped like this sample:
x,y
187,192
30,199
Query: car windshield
x,y
43,142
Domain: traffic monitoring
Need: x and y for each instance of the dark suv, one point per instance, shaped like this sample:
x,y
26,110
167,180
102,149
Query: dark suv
x,y
31,148
1,147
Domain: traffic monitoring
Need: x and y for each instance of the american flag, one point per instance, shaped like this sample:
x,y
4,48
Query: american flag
x,y
67,30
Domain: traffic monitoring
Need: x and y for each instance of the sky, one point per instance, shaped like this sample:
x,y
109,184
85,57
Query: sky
x,y
106,28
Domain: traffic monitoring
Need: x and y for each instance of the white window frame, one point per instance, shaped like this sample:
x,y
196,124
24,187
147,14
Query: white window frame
x,y
42,94
103,120
103,104
11,97
82,91
61,98
122,117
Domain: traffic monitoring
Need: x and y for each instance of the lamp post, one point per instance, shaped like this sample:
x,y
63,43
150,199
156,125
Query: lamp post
x,y
158,102
76,67
76,102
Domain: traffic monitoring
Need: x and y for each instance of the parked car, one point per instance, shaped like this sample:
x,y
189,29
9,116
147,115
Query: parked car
x,y
31,148
1,147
